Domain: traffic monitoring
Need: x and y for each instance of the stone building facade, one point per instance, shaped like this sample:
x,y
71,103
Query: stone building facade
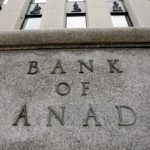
x,y
74,89
57,14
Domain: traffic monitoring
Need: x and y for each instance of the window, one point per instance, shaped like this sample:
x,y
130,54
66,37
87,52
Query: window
x,y
76,16
119,14
34,15
120,21
31,23
76,22
39,1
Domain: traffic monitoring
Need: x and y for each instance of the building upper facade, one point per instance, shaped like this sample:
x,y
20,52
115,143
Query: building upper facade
x,y
59,14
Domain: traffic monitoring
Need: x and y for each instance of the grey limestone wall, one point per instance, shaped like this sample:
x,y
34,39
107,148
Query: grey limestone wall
x,y
12,14
75,89
137,11
54,14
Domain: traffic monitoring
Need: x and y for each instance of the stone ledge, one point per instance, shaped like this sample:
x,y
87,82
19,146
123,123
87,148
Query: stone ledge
x,y
76,36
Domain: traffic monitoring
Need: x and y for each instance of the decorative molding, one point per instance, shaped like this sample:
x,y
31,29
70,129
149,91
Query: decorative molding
x,y
76,8
116,7
36,10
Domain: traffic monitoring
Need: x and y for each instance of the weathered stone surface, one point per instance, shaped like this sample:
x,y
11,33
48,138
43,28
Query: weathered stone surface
x,y
76,36
114,79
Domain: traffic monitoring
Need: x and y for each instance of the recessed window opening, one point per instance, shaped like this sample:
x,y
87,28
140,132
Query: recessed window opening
x,y
39,1
121,20
76,22
34,15
76,14
31,23
119,14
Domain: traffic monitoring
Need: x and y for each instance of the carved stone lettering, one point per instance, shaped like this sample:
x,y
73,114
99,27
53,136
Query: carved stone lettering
x,y
84,88
121,121
58,66
60,118
90,68
33,69
113,68
91,114
23,114
63,89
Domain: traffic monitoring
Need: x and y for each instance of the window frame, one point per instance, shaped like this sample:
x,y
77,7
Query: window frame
x,y
119,9
76,14
123,14
23,25
33,2
76,27
30,16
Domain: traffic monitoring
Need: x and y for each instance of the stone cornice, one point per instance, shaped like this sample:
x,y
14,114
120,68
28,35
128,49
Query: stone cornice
x,y
71,37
